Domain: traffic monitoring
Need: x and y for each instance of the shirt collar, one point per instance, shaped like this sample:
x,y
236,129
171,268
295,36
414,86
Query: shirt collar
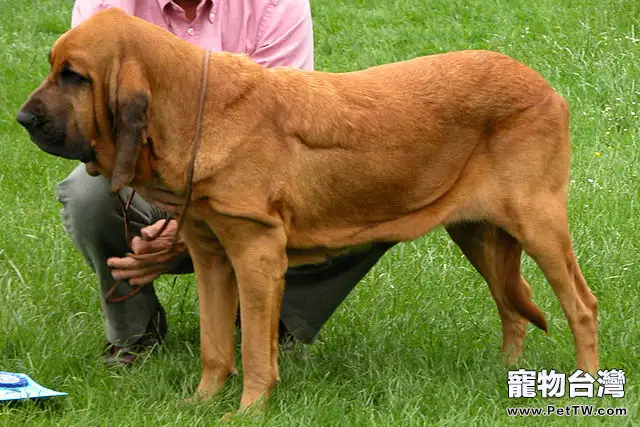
x,y
164,3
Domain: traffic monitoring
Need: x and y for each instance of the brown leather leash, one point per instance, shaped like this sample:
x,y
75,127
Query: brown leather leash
x,y
149,259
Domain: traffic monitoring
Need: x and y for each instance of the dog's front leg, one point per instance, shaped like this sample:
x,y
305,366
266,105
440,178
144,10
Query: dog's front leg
x,y
258,255
218,300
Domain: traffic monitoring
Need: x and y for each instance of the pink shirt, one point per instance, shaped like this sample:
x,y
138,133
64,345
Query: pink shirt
x,y
272,32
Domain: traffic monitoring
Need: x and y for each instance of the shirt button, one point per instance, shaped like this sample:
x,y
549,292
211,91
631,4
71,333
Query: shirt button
x,y
190,31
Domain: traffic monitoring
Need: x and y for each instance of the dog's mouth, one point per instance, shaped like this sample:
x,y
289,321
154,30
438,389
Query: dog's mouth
x,y
89,156
51,136
60,147
52,140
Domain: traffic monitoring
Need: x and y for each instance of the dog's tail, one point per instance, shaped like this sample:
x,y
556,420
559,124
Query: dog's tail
x,y
520,300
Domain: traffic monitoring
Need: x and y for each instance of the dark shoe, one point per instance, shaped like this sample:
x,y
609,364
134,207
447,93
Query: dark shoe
x,y
153,336
120,356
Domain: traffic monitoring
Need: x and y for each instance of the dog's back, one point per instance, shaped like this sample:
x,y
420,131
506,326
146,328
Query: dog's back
x,y
429,134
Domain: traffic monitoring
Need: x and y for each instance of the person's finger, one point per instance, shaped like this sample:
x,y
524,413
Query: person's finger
x,y
121,263
139,281
153,229
132,264
139,273
142,247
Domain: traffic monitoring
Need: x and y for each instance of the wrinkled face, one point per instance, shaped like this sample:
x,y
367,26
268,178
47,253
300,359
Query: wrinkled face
x,y
59,115
93,104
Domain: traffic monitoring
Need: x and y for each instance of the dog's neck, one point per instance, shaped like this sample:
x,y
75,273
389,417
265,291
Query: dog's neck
x,y
174,107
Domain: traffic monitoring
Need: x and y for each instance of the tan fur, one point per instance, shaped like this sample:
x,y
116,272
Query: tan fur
x,y
296,165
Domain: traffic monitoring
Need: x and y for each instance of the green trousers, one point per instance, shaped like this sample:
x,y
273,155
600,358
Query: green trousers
x,y
94,221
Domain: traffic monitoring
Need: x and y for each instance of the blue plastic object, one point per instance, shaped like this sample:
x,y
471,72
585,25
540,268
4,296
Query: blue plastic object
x,y
20,386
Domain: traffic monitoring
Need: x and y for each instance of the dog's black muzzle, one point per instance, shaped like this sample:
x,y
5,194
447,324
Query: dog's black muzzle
x,y
50,135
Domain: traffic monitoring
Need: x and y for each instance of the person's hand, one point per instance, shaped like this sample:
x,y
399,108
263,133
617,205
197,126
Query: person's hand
x,y
142,271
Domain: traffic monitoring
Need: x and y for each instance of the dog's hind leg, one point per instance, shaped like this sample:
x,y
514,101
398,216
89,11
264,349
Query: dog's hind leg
x,y
496,255
542,228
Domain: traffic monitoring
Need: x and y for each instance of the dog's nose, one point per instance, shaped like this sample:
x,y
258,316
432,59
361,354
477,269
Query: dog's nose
x,y
26,119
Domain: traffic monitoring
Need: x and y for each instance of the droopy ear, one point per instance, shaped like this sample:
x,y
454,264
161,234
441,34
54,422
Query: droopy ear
x,y
129,101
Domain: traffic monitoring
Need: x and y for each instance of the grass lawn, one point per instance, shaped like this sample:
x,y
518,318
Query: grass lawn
x,y
417,342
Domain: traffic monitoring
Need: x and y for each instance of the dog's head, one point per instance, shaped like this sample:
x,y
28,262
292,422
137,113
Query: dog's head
x,y
93,104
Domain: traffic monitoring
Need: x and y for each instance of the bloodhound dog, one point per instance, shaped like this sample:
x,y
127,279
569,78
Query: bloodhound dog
x,y
293,166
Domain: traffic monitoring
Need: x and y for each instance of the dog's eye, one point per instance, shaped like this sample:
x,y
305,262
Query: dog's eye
x,y
69,77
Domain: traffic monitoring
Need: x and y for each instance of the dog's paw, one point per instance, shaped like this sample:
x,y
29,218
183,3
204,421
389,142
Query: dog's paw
x,y
197,398
248,414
